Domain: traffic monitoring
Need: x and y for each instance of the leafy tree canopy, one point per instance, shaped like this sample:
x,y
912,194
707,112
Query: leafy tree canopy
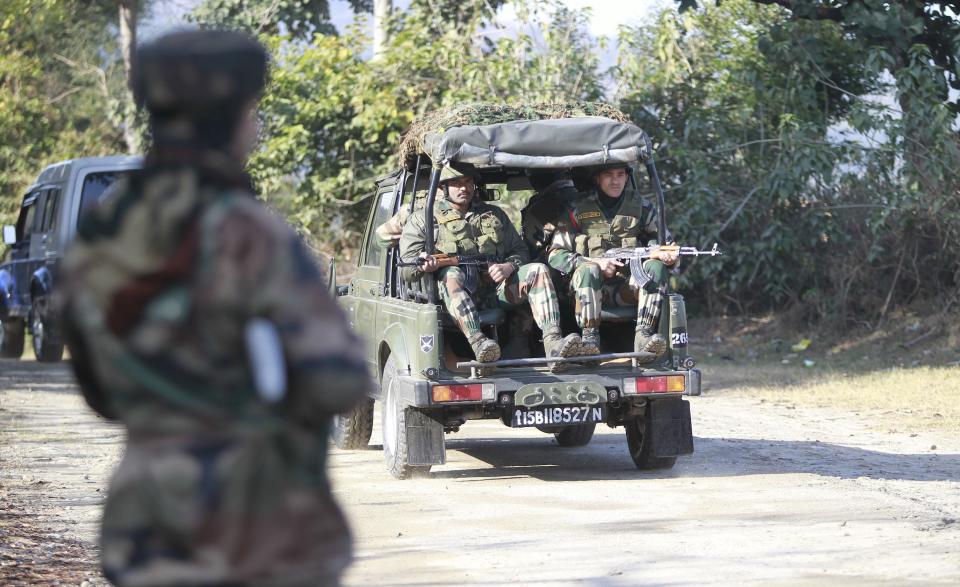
x,y
896,29
299,18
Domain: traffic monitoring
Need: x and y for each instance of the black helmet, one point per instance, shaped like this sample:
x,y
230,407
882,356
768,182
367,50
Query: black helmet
x,y
204,77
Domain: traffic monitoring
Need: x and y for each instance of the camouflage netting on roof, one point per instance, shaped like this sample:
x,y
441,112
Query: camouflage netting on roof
x,y
478,114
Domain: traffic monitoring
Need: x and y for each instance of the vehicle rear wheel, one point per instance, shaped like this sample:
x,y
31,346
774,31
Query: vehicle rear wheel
x,y
352,430
575,435
394,427
11,338
640,450
47,345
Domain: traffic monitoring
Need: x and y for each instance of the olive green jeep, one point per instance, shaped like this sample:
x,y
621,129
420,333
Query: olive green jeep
x,y
430,384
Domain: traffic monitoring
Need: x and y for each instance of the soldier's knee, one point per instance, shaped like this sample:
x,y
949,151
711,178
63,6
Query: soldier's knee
x,y
657,271
537,270
453,276
588,275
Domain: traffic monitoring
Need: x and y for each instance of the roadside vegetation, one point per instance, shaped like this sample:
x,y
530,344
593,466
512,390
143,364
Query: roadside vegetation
x,y
816,142
904,376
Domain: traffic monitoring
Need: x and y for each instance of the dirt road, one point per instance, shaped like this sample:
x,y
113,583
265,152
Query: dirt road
x,y
775,494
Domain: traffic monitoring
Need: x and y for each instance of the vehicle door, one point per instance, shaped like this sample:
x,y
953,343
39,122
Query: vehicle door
x,y
48,250
26,251
20,250
367,284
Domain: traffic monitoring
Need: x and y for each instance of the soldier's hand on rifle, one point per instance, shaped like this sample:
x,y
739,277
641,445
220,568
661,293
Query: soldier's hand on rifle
x,y
499,272
667,257
429,263
608,267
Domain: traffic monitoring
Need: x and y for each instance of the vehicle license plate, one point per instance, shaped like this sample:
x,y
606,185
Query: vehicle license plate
x,y
558,415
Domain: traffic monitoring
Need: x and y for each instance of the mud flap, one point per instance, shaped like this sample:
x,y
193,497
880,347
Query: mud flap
x,y
425,442
668,428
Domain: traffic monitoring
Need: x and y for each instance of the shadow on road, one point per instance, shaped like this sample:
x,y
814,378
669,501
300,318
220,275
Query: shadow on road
x,y
606,458
45,377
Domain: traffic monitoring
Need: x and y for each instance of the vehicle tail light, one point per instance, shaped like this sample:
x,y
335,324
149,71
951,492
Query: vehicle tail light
x,y
463,393
657,384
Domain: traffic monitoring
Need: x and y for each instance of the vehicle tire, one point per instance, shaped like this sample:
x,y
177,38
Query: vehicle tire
x,y
47,345
575,435
351,431
640,450
12,334
394,427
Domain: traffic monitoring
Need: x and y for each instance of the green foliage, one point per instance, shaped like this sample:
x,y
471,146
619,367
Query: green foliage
x,y
301,18
816,141
893,29
58,75
333,120
777,138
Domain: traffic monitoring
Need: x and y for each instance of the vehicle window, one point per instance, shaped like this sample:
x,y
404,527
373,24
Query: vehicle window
x,y
53,207
40,206
383,213
94,187
25,221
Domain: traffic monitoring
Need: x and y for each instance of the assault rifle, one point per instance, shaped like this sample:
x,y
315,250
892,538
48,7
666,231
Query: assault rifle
x,y
637,255
445,260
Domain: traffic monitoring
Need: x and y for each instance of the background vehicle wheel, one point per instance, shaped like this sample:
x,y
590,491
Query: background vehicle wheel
x,y
352,430
640,450
575,435
11,338
394,427
47,345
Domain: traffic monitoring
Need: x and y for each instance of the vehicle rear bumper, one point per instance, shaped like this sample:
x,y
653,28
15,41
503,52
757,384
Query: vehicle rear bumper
x,y
417,392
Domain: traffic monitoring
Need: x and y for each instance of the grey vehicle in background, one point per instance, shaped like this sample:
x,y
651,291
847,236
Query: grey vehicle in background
x,y
47,221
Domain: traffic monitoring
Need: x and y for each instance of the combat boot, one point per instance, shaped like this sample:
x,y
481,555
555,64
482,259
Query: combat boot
x,y
556,345
484,349
590,341
649,342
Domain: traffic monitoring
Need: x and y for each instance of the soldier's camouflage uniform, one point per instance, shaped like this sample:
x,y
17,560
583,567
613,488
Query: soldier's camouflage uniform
x,y
484,229
587,231
217,486
389,232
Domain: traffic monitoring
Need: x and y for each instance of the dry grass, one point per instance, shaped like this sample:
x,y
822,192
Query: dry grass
x,y
900,398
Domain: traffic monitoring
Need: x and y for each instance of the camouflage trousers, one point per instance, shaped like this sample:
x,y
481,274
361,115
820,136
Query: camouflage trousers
x,y
531,283
591,292
251,509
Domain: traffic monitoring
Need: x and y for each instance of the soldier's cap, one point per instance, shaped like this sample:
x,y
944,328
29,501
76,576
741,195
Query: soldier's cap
x,y
194,73
448,173
600,169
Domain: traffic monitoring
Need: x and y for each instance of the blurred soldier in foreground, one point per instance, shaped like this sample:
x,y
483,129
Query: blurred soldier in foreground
x,y
199,320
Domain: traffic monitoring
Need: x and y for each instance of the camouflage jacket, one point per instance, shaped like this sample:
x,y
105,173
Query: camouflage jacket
x,y
484,229
216,485
389,233
587,229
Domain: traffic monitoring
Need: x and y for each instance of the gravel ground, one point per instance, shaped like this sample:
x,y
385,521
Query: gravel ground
x,y
774,494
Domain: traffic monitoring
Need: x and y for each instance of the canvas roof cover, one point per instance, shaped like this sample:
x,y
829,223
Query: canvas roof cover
x,y
546,144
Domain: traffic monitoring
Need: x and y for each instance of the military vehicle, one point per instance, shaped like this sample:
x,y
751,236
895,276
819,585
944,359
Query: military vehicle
x,y
47,222
429,384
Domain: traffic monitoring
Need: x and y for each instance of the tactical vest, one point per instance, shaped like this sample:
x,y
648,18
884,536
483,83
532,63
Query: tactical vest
x,y
480,233
597,233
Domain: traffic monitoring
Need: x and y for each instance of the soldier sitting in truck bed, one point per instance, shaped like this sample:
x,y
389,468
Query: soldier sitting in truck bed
x,y
466,226
608,217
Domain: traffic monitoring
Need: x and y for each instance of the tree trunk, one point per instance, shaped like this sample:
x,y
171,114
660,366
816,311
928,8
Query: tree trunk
x,y
381,15
128,43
